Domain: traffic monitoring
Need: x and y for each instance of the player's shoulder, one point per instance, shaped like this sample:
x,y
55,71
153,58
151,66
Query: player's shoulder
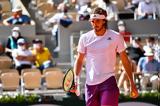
x,y
87,34
114,33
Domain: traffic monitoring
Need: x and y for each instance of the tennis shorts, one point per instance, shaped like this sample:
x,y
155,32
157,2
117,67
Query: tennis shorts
x,y
103,94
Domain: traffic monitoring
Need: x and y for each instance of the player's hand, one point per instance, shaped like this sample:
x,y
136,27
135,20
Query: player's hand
x,y
75,89
134,91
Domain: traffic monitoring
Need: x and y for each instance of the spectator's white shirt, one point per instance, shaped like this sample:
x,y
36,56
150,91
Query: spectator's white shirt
x,y
146,8
100,52
21,53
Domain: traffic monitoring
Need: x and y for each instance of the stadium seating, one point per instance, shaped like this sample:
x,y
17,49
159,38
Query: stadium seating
x,y
10,80
5,62
53,78
30,79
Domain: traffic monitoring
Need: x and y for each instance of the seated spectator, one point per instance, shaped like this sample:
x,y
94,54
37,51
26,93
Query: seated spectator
x,y
122,30
152,43
150,69
84,13
62,18
133,4
17,17
146,10
12,41
135,50
43,58
22,57
111,9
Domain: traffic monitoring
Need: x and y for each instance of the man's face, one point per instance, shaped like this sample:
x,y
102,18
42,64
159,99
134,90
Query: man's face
x,y
98,24
150,58
22,46
17,14
37,46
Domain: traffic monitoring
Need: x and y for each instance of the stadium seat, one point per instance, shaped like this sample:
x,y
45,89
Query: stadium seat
x,y
53,78
5,62
10,80
6,5
30,79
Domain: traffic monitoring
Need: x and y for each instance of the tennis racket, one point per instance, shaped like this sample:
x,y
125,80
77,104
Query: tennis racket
x,y
68,82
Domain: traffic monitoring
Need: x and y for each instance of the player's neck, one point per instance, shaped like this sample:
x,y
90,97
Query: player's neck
x,y
101,32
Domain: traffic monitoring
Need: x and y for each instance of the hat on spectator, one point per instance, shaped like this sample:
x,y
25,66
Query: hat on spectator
x,y
21,40
37,41
16,29
148,51
17,8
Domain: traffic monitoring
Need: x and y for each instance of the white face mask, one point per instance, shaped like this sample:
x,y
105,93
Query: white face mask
x,y
121,28
21,47
15,34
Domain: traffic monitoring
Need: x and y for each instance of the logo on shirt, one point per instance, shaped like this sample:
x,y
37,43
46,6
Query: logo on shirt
x,y
109,38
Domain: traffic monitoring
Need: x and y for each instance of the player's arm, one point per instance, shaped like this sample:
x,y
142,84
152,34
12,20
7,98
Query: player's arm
x,y
78,65
127,65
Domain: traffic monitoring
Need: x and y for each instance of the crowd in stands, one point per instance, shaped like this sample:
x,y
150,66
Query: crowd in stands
x,y
144,56
25,55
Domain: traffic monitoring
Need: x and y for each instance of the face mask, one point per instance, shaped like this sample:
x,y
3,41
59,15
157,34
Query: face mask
x,y
36,46
121,28
15,34
21,47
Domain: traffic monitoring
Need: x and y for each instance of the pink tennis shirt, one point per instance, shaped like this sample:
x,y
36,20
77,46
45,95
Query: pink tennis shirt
x,y
100,53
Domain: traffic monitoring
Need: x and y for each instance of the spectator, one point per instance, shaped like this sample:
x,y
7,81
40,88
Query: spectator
x,y
22,57
43,58
84,13
17,17
122,30
150,69
151,42
135,50
133,4
111,9
12,41
146,10
62,18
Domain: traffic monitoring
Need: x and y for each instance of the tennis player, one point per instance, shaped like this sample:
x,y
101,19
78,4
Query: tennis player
x,y
100,46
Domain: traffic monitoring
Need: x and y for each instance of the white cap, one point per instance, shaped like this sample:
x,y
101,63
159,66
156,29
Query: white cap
x,y
16,29
21,40
148,51
17,8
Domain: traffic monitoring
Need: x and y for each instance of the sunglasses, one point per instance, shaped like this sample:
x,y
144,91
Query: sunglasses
x,y
21,44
